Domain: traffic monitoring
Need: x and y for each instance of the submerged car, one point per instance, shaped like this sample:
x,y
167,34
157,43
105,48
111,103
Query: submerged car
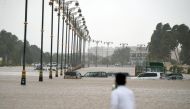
x,y
72,75
150,75
111,74
174,76
96,74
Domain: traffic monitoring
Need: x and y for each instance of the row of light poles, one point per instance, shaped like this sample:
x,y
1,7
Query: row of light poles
x,y
74,37
96,51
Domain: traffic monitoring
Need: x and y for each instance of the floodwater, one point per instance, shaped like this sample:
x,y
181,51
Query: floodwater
x,y
89,93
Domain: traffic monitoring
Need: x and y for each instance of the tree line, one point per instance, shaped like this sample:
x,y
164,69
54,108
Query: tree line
x,y
166,39
11,50
163,40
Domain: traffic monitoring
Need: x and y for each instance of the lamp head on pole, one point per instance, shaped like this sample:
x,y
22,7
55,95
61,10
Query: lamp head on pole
x,y
79,10
80,15
51,2
77,4
56,9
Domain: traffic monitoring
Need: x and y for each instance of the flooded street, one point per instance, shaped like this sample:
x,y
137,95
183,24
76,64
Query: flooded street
x,y
66,54
89,93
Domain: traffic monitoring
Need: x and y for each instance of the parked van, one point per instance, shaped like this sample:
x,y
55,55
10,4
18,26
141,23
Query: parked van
x,y
96,74
150,75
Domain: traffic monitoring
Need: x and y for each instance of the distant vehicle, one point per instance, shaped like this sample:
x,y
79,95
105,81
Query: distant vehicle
x,y
117,64
72,75
54,65
38,67
150,75
111,74
96,74
174,76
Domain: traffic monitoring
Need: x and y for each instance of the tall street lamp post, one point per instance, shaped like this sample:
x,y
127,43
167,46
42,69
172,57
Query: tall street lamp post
x,y
65,61
68,48
77,50
41,56
63,27
57,59
108,43
89,39
103,54
123,46
72,44
84,47
80,50
51,3
23,78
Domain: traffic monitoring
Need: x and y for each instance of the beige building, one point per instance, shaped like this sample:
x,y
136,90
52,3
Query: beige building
x,y
138,55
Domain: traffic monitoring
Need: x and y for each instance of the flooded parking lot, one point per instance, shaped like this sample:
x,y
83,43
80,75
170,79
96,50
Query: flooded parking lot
x,y
89,93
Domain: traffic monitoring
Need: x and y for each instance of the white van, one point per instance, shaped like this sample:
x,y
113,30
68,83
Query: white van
x,y
150,75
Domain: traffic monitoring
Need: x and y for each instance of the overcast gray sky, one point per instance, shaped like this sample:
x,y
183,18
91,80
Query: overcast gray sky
x,y
118,21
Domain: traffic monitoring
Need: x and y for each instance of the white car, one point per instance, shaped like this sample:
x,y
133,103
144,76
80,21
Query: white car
x,y
150,75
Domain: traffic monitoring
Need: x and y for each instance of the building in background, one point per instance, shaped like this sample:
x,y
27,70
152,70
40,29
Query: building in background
x,y
102,51
138,54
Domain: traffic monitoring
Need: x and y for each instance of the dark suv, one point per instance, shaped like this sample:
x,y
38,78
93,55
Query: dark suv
x,y
96,74
72,75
